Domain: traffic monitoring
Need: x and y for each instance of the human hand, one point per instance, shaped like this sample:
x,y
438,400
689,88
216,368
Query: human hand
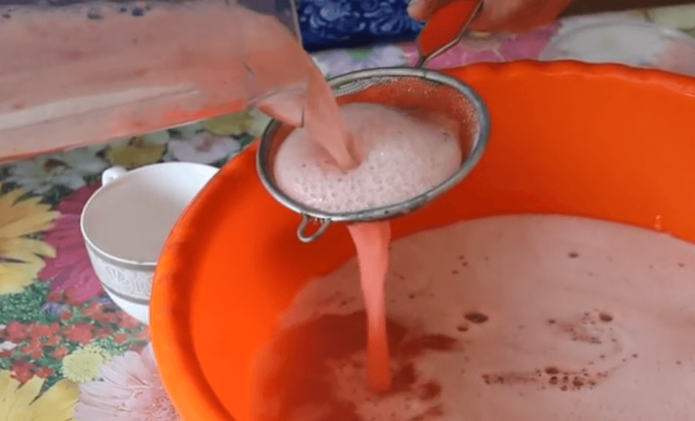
x,y
499,15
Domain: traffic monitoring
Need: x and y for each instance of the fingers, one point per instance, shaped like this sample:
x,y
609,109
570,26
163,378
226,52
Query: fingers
x,y
499,15
423,9
517,15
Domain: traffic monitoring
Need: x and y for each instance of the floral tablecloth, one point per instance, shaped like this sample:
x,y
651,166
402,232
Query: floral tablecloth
x,y
66,351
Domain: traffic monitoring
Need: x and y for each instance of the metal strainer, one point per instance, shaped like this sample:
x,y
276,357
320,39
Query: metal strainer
x,y
411,89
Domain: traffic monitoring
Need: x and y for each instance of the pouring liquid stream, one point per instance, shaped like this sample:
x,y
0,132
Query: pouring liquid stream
x,y
324,124
372,243
404,156
444,28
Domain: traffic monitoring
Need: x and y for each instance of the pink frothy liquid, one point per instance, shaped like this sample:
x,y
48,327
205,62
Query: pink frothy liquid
x,y
315,109
402,158
507,318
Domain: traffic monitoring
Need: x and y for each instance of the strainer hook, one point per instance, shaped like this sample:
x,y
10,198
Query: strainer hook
x,y
308,238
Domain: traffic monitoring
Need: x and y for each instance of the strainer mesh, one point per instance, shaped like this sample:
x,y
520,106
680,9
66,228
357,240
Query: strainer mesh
x,y
432,98
424,99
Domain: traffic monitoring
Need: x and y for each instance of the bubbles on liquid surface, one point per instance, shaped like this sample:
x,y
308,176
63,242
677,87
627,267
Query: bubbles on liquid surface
x,y
523,332
403,158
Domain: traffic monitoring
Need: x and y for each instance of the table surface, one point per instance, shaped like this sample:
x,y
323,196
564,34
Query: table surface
x,y
61,338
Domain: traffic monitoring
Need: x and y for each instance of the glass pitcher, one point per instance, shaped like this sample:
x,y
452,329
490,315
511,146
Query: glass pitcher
x,y
75,72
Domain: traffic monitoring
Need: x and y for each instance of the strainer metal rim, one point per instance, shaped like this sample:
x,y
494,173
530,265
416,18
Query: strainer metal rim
x,y
479,143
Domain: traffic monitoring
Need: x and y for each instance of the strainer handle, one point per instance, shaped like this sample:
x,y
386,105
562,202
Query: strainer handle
x,y
445,28
308,238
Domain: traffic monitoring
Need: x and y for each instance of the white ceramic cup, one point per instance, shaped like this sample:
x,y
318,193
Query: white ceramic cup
x,y
128,219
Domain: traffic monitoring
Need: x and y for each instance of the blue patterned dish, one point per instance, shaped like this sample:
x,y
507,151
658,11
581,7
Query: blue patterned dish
x,y
329,24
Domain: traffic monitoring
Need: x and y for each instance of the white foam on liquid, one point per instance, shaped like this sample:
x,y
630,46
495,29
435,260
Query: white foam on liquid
x,y
403,158
567,298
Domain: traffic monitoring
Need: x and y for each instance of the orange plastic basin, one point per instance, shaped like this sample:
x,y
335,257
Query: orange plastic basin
x,y
600,141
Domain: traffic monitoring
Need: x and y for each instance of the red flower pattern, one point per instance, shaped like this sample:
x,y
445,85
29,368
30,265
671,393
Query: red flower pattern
x,y
44,372
81,325
94,308
22,371
52,340
33,348
102,333
59,353
80,332
38,330
127,322
16,332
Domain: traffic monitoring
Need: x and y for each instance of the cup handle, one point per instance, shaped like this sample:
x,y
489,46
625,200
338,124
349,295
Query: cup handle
x,y
111,174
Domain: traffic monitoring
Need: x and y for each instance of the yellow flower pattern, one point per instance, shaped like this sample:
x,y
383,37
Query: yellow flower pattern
x,y
83,364
23,403
21,257
252,122
138,151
